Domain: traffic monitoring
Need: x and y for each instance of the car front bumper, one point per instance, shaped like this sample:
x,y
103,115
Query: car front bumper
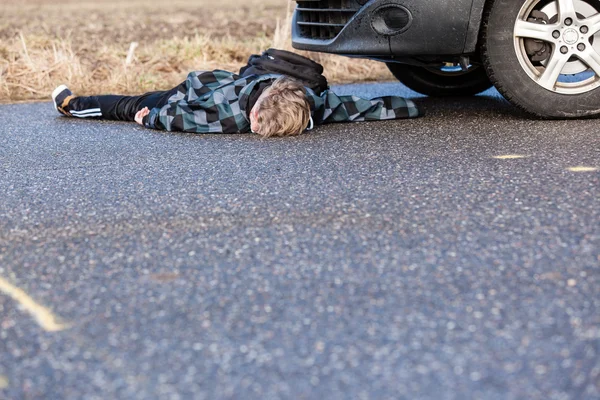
x,y
382,28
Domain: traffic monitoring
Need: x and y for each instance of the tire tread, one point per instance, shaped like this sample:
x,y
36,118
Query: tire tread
x,y
490,71
485,58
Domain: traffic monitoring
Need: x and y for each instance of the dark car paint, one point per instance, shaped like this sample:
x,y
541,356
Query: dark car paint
x,y
357,38
438,28
474,26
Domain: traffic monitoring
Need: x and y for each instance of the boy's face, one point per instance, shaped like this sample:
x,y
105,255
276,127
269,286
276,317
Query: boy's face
x,y
254,112
254,120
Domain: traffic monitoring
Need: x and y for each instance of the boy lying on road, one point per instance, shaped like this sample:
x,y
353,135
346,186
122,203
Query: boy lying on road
x,y
277,94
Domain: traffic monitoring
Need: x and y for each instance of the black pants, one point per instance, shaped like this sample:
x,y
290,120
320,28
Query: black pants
x,y
119,108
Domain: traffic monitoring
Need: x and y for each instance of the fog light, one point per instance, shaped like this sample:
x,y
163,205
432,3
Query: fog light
x,y
391,19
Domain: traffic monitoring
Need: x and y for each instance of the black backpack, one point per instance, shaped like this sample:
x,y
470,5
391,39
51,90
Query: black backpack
x,y
283,62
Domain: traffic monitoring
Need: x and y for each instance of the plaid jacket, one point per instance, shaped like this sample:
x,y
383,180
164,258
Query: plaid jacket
x,y
217,102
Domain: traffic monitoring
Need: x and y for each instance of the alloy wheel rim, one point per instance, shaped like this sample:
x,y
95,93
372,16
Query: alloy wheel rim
x,y
573,33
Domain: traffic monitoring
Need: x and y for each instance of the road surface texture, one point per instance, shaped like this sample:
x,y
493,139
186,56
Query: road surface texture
x,y
455,256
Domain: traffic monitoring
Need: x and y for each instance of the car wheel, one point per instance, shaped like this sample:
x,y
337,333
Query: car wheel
x,y
544,55
446,80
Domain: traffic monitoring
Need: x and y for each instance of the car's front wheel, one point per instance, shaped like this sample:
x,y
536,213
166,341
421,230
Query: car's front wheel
x,y
444,80
544,55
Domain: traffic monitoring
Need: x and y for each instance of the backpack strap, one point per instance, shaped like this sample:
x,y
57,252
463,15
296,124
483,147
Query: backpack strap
x,y
283,62
294,58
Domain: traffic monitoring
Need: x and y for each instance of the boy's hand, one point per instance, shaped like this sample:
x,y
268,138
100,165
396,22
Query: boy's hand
x,y
139,116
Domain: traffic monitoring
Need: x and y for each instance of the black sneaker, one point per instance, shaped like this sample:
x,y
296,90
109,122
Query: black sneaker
x,y
61,97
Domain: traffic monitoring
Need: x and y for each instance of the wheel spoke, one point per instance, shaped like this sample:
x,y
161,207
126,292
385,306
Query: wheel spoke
x,y
591,58
555,66
593,23
566,9
534,31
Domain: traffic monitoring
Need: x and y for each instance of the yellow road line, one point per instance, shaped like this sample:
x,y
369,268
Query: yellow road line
x,y
3,382
509,157
42,315
582,169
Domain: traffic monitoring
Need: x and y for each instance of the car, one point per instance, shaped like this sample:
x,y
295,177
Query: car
x,y
542,55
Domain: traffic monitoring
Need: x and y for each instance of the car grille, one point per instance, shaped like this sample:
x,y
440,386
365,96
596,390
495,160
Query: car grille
x,y
324,19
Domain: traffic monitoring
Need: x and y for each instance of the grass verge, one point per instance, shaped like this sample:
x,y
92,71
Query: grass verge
x,y
107,47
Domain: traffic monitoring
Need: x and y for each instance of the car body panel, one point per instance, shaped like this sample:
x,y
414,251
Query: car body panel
x,y
475,20
437,28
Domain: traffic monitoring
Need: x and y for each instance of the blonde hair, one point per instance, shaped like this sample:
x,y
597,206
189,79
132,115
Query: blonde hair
x,y
283,109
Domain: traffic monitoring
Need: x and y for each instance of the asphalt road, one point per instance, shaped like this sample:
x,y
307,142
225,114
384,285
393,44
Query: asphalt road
x,y
392,260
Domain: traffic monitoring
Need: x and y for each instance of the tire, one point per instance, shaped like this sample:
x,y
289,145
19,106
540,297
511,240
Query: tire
x,y
529,83
440,82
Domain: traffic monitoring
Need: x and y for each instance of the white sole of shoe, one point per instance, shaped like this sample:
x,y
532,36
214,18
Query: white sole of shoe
x,y
56,92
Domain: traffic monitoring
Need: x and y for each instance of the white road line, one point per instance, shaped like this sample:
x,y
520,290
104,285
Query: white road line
x,y
510,157
582,169
43,316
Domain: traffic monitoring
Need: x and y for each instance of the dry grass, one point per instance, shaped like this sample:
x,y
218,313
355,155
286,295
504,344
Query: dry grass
x,y
88,44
